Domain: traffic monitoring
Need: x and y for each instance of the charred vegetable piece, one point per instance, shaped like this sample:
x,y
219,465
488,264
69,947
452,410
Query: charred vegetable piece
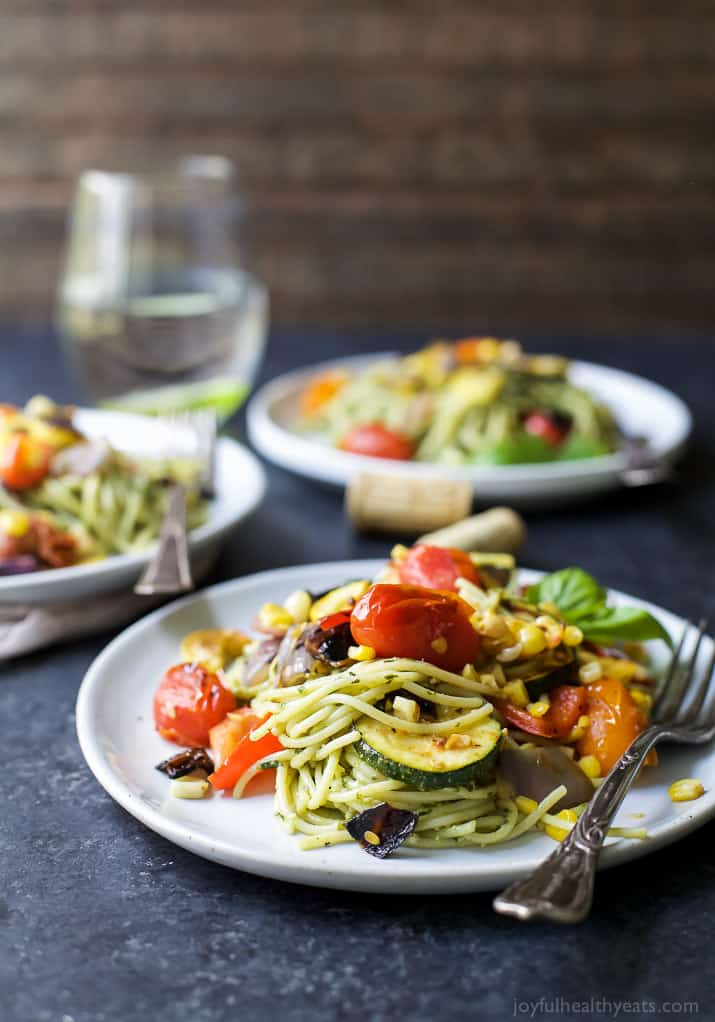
x,y
536,771
330,644
382,829
186,762
18,564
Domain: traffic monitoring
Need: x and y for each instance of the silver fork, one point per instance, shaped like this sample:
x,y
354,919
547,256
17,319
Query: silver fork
x,y
169,570
561,888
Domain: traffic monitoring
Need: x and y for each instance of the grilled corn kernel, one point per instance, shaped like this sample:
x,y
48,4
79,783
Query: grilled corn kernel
x,y
572,635
469,671
686,790
525,805
532,640
272,616
361,652
589,672
540,707
579,730
510,653
190,787
439,645
495,627
516,693
14,523
644,700
458,742
590,766
406,709
568,816
398,552
298,606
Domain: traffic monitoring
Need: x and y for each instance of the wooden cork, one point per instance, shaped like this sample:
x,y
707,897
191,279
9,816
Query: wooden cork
x,y
499,530
399,504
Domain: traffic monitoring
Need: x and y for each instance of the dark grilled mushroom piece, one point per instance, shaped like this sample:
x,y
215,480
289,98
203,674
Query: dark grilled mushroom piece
x,y
186,762
330,645
382,829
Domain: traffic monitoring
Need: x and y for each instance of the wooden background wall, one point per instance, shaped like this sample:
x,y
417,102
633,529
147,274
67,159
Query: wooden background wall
x,y
503,164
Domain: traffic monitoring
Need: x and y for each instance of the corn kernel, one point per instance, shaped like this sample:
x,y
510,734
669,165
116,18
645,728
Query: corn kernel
x,y
406,709
458,742
590,766
572,635
469,671
568,816
439,645
272,616
579,730
371,837
539,708
361,652
510,653
532,640
525,805
14,523
516,693
644,700
190,786
686,790
589,672
298,605
495,627
399,552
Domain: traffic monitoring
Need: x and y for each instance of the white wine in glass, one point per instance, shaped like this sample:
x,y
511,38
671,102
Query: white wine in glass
x,y
156,307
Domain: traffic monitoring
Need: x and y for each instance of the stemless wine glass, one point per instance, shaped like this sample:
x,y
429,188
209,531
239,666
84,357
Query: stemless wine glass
x,y
156,307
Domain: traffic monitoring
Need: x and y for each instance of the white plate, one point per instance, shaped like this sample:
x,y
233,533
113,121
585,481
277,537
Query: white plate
x,y
240,484
641,407
116,733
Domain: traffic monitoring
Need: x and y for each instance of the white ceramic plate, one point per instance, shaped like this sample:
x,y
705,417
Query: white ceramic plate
x,y
116,733
642,408
240,484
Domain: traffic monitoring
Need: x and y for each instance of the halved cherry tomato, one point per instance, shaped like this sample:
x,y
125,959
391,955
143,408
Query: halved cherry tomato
x,y
321,390
377,441
615,720
568,703
225,736
188,702
24,461
551,428
437,567
244,756
411,621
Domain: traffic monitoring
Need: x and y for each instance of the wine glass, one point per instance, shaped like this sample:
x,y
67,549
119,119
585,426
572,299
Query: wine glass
x,y
156,307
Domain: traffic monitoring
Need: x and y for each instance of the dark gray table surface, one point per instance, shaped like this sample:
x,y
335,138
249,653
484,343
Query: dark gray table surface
x,y
103,921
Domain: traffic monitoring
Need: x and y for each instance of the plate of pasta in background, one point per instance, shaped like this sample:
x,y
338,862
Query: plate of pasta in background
x,y
519,427
429,724
83,494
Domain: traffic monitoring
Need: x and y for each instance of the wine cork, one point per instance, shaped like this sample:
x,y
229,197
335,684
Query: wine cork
x,y
405,505
499,530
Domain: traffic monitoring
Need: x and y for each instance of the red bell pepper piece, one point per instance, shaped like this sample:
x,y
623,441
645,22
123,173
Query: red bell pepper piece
x,y
244,756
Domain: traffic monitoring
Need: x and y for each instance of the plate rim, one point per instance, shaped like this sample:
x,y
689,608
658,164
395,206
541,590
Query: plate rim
x,y
310,871
52,579
268,436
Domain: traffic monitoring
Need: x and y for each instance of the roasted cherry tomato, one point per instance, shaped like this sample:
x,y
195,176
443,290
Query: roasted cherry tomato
x,y
319,391
244,756
188,702
615,720
568,703
550,427
437,567
411,621
24,461
377,441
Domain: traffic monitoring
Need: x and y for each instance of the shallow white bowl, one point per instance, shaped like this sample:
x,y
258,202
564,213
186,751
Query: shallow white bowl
x,y
117,736
240,484
642,408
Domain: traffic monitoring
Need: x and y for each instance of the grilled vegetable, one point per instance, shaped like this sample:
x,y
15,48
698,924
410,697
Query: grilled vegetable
x,y
428,761
382,829
215,648
537,770
186,762
568,703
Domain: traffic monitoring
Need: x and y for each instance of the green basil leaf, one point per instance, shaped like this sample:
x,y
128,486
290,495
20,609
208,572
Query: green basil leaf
x,y
576,593
623,623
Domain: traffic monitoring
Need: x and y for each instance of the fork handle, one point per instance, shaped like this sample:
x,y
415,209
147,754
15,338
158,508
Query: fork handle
x,y
561,888
169,570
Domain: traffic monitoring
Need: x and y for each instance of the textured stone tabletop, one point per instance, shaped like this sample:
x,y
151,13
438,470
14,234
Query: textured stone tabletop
x,y
103,921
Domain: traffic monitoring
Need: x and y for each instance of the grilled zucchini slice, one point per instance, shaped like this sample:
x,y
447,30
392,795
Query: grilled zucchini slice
x,y
426,763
